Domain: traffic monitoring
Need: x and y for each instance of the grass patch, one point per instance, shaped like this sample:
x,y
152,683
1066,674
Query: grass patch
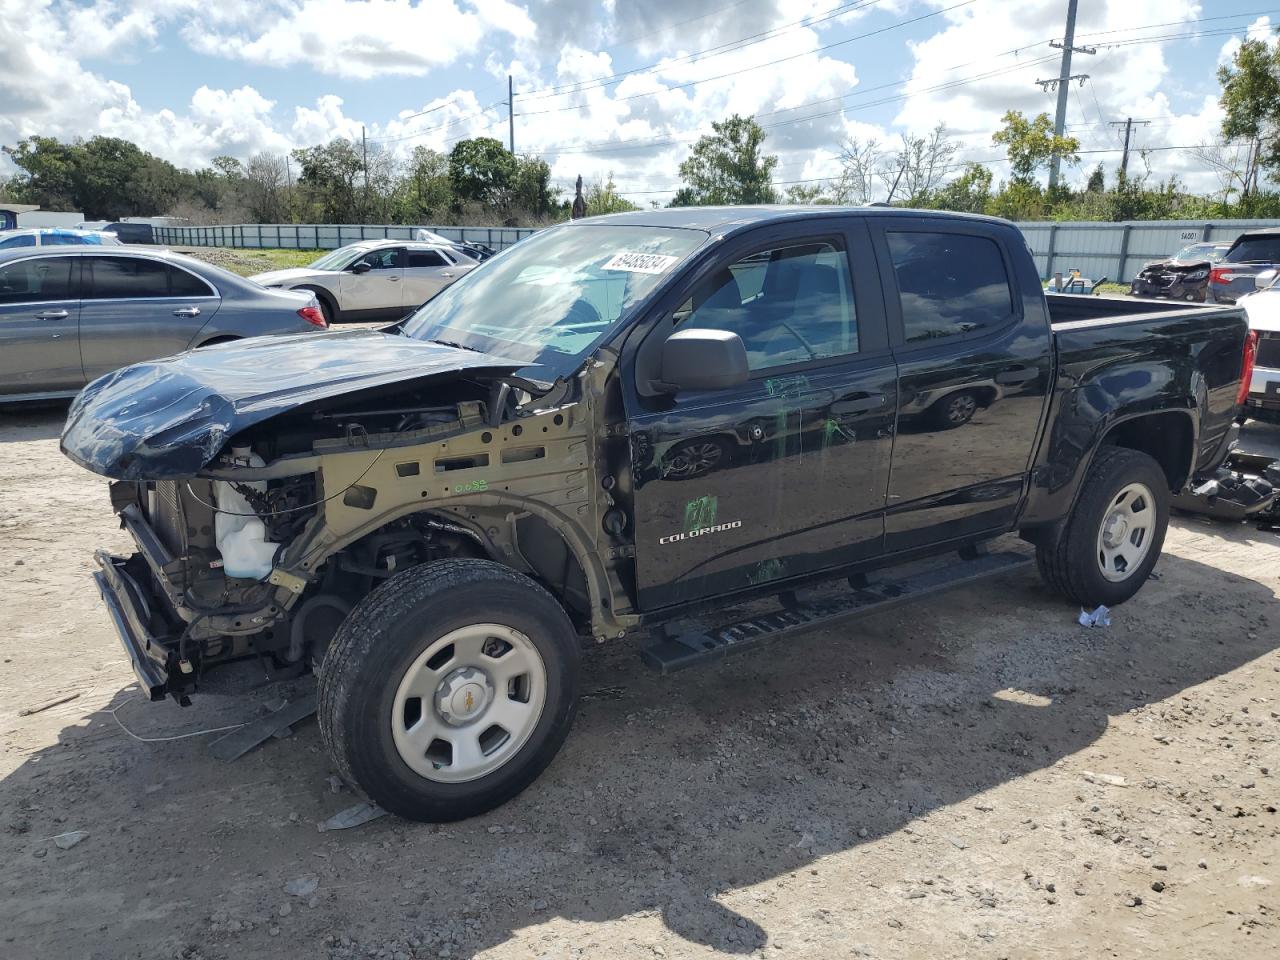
x,y
249,262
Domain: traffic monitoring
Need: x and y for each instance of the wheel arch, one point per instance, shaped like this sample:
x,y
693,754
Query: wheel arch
x,y
1167,436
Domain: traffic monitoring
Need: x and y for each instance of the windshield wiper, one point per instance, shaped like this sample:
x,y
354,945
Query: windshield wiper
x,y
458,346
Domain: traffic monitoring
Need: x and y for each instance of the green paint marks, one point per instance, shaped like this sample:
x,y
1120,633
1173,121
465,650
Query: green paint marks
x,y
786,386
474,486
700,513
767,570
832,432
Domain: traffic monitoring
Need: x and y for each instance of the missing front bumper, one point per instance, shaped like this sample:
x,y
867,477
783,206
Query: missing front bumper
x,y
127,606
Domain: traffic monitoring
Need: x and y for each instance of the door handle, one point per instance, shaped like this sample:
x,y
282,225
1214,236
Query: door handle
x,y
1017,375
862,405
447,275
394,279
187,312
52,315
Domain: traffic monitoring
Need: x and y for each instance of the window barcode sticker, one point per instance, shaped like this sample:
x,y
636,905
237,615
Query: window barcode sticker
x,y
641,262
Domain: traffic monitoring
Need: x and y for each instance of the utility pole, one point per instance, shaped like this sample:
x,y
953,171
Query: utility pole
x,y
1128,129
364,150
1063,82
511,115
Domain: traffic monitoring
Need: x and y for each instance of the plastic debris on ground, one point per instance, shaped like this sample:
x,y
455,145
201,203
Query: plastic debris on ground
x,y
1101,617
355,816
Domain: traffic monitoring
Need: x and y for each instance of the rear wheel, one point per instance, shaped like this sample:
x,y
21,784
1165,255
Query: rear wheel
x,y
449,689
955,410
1115,532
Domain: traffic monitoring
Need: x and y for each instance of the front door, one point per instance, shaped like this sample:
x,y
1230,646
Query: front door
x,y
377,291
786,474
39,327
138,308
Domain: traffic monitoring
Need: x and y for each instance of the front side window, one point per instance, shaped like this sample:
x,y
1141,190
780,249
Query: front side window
x,y
789,304
548,300
391,258
36,281
949,284
26,240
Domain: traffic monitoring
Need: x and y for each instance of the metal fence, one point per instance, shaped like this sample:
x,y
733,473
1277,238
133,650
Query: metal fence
x,y
1117,251
326,236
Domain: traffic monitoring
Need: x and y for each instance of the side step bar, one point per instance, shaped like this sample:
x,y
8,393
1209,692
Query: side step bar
x,y
687,643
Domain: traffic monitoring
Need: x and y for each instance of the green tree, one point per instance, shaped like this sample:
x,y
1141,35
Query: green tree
x,y
327,179
426,192
727,166
481,170
1031,144
970,192
531,192
602,197
1097,182
807,193
1250,102
47,172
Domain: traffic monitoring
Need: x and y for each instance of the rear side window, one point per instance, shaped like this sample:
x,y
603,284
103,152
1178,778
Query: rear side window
x,y
61,240
36,281
128,278
425,258
950,284
1258,249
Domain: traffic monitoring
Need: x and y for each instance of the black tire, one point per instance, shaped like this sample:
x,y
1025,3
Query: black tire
x,y
954,410
382,638
1070,564
214,341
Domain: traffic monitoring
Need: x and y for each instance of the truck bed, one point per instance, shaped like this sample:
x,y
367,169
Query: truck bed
x,y
1178,354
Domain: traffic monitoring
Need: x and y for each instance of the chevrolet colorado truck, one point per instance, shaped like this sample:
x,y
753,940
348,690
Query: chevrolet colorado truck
x,y
624,426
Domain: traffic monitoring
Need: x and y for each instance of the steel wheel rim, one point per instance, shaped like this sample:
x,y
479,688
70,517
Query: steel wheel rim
x,y
468,703
961,408
1126,532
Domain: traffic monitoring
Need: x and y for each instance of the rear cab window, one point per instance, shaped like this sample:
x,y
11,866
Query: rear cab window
x,y
949,284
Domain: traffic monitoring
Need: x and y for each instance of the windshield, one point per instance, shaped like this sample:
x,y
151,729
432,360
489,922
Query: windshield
x,y
337,259
549,299
1201,251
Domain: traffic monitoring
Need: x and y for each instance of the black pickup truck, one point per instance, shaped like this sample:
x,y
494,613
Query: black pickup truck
x,y
625,426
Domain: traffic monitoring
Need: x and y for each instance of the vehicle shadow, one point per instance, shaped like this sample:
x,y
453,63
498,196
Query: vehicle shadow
x,y
32,421
670,792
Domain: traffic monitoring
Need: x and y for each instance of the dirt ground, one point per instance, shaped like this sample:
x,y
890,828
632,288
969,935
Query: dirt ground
x,y
975,776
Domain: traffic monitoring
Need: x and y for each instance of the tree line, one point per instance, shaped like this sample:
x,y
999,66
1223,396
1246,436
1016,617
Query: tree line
x,y
479,181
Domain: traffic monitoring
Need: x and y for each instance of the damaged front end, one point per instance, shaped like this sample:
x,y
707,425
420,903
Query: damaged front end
x,y
266,501
1172,280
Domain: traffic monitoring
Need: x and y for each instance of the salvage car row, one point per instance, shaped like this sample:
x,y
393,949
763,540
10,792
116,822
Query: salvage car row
x,y
77,304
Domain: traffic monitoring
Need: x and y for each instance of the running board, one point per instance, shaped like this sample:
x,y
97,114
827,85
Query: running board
x,y
687,643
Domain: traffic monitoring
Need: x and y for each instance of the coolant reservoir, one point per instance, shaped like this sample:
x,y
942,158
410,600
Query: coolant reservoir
x,y
242,537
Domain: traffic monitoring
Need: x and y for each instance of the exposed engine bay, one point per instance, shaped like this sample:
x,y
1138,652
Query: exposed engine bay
x,y
266,550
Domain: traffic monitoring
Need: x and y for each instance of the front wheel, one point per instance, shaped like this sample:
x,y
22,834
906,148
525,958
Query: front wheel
x,y
449,689
1113,537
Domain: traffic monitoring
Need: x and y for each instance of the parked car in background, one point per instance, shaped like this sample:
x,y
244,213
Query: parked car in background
x,y
1253,252
1262,307
69,315
56,237
476,251
132,232
374,279
1184,276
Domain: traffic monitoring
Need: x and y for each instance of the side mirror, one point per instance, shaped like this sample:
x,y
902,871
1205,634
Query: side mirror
x,y
703,360
1266,279
360,267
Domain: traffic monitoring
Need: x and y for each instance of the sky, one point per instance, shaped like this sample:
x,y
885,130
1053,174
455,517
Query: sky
x,y
611,87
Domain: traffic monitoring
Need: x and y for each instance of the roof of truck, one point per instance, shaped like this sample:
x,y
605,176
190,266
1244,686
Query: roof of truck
x,y
721,219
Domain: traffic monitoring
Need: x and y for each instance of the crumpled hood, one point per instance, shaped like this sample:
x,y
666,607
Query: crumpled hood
x,y
289,275
165,419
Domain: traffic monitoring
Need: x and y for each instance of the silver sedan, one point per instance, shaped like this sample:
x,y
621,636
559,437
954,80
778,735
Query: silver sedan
x,y
70,314
375,279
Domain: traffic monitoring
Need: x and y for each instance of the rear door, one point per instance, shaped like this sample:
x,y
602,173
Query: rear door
x,y
786,474
377,292
139,308
970,333
39,340
427,271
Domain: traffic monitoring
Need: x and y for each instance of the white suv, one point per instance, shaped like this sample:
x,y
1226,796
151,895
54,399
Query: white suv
x,y
374,279
55,236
